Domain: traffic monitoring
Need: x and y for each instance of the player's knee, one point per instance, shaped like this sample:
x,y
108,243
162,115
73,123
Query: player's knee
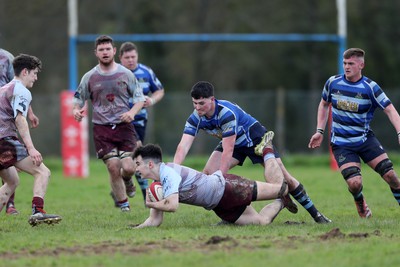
x,y
13,182
384,167
351,172
125,154
43,171
111,155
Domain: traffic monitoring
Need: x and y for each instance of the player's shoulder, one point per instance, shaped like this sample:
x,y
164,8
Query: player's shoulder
x,y
226,106
20,89
144,70
144,67
7,54
371,84
91,72
336,77
121,68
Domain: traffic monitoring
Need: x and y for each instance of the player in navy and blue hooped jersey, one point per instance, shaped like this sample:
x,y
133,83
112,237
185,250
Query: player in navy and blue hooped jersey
x,y
153,91
241,136
354,99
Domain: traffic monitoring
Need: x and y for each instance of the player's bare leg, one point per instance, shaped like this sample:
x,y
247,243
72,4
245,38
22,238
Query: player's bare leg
x,y
11,181
117,183
272,170
41,175
265,217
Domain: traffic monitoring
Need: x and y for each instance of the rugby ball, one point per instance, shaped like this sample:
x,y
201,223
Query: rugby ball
x,y
155,192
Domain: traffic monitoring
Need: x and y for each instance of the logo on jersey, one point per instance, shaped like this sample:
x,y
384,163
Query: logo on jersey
x,y
23,103
342,158
216,133
347,105
359,96
110,97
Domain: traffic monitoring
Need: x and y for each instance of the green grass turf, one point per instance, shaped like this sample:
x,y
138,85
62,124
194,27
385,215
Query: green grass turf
x,y
94,233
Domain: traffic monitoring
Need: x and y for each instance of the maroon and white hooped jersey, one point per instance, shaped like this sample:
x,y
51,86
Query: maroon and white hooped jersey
x,y
14,98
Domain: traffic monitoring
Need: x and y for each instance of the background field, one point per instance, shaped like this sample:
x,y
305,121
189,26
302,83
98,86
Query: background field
x,y
94,233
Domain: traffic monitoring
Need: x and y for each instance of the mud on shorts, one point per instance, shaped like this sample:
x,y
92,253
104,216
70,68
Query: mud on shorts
x,y
239,193
11,151
114,136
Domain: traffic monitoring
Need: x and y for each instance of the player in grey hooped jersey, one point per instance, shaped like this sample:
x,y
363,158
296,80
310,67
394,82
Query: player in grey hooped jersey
x,y
6,76
229,195
15,99
109,86
6,68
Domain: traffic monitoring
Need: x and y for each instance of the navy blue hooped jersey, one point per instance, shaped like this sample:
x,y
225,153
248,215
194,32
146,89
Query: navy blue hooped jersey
x,y
353,107
229,119
149,83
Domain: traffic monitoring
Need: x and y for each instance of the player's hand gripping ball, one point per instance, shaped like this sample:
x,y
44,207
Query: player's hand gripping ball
x,y
155,192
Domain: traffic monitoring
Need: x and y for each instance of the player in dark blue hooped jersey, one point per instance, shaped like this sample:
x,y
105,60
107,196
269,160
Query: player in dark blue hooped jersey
x,y
153,91
354,99
241,136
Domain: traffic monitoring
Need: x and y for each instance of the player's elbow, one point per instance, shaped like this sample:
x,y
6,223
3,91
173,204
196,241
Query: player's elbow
x,y
172,207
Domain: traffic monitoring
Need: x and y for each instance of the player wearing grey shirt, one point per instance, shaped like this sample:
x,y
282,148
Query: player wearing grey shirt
x,y
109,86
229,196
6,68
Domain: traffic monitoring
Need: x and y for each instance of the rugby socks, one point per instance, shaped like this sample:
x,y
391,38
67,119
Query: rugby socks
x,y
123,203
396,194
143,183
358,197
301,196
11,200
37,205
268,153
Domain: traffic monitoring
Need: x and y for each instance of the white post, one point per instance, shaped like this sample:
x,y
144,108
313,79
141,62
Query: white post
x,y
72,18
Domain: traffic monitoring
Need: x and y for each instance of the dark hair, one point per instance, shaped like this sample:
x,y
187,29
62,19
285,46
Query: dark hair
x,y
103,39
24,61
126,47
202,89
356,52
149,151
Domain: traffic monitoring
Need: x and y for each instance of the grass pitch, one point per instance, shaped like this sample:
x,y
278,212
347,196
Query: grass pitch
x,y
94,233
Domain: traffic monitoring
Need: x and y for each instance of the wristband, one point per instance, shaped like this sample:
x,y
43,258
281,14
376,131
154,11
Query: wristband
x,y
320,130
152,101
398,134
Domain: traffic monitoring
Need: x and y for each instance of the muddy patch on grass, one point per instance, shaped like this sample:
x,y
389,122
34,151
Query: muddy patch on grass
x,y
202,244
335,233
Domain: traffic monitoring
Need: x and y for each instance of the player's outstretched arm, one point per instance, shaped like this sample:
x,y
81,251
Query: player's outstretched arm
x,y
155,219
183,148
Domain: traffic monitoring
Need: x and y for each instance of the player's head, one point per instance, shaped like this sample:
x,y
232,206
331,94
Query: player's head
x,y
26,68
127,47
354,52
353,63
105,50
149,152
103,39
28,62
128,55
202,89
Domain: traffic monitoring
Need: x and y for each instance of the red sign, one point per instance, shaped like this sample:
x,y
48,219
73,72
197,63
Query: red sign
x,y
74,140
